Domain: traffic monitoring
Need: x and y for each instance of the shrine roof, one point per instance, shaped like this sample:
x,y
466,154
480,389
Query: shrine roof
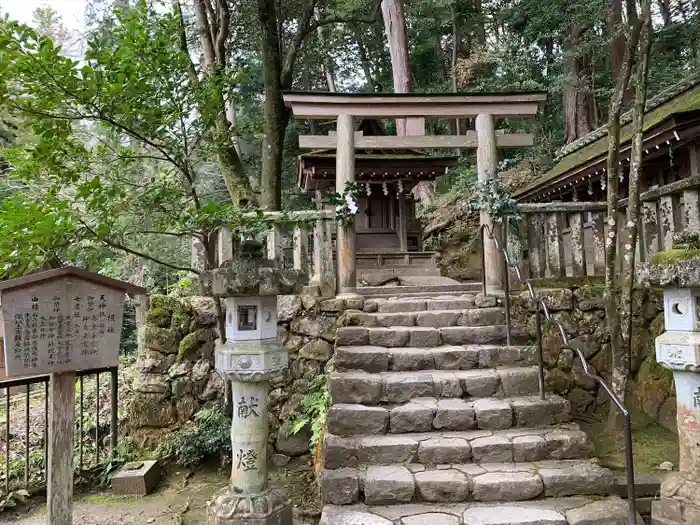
x,y
70,271
668,112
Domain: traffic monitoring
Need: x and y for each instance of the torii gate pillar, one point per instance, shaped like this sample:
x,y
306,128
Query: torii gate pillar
x,y
345,238
486,161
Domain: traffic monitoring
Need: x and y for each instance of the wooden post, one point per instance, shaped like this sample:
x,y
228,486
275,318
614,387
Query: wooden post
x,y
598,228
578,248
691,209
345,239
60,468
274,244
486,160
555,246
650,228
224,246
536,245
402,226
301,247
328,271
691,197
668,227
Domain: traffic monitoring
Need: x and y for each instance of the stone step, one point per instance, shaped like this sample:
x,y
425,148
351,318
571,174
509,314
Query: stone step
x,y
398,387
430,318
443,448
454,483
556,511
380,359
460,288
405,303
425,337
426,414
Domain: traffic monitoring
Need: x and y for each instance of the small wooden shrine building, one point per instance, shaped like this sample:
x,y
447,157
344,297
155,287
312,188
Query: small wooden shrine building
x,y
566,206
388,233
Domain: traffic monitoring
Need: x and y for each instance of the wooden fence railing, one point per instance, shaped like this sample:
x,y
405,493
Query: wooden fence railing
x,y
302,240
568,239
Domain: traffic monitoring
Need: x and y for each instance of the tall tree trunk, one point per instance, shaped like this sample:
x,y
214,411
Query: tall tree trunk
x,y
612,285
665,8
327,63
617,55
480,24
213,32
275,117
364,60
641,77
579,103
395,29
456,41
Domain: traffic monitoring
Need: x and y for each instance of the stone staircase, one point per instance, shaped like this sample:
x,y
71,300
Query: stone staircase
x,y
435,421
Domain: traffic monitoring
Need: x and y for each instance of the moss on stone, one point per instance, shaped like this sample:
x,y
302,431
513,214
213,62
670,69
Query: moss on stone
x,y
181,321
191,343
674,256
159,317
166,302
162,340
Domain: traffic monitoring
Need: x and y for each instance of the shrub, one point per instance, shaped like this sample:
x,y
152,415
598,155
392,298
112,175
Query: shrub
x,y
207,436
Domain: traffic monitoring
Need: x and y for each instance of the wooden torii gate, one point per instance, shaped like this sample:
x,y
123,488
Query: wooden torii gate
x,y
345,108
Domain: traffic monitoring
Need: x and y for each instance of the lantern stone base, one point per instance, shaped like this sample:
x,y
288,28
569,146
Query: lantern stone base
x,y
679,503
268,508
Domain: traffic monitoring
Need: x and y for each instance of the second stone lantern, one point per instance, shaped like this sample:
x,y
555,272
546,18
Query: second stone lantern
x,y
249,359
678,349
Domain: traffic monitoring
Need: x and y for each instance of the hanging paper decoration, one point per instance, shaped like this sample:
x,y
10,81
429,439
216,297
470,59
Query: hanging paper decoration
x,y
622,176
368,189
575,196
385,188
590,187
602,184
399,186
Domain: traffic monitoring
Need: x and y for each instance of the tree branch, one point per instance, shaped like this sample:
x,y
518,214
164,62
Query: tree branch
x,y
131,251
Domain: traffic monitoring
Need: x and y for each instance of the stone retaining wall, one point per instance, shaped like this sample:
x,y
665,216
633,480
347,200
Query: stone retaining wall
x,y
581,312
175,367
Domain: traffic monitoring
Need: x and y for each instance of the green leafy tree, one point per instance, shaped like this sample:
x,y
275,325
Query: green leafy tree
x,y
118,153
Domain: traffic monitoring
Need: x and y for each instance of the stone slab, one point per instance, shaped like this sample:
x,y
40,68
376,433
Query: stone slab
x,y
137,478
512,515
388,485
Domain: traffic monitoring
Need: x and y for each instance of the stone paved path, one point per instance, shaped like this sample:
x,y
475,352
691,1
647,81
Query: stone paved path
x,y
435,421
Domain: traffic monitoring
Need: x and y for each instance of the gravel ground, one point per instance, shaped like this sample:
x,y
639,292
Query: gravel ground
x,y
179,500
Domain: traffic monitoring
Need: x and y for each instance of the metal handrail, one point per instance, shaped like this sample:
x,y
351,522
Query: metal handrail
x,y
542,307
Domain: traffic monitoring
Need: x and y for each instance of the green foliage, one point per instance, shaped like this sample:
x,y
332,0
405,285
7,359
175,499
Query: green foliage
x,y
116,161
490,197
128,342
345,203
11,499
209,435
313,411
670,257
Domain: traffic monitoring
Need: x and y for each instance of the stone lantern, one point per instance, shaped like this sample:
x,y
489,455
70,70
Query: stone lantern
x,y
250,358
678,349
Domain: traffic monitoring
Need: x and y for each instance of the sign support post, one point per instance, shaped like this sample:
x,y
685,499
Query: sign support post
x,y
60,468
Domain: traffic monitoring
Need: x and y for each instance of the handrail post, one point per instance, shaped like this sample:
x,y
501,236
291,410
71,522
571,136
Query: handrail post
x,y
540,354
506,282
482,231
631,497
114,409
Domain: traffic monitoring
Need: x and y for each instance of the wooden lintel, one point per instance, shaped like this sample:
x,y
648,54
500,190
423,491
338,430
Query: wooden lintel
x,y
433,111
546,207
506,140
